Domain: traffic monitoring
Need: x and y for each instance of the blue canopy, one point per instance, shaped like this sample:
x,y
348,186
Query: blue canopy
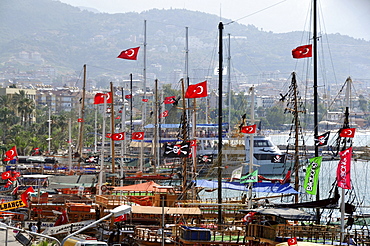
x,y
257,187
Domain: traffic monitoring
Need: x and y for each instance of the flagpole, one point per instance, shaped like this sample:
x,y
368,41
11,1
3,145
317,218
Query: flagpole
x,y
100,179
143,103
69,145
251,149
96,130
155,144
229,84
112,131
123,129
345,125
82,117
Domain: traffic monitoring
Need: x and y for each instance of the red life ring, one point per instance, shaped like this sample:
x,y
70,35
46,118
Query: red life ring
x,y
103,188
249,217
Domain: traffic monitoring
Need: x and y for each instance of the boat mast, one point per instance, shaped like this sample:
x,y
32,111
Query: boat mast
x,y
156,130
100,178
315,97
219,154
69,145
345,125
251,149
123,129
82,117
296,140
112,131
143,103
229,84
185,137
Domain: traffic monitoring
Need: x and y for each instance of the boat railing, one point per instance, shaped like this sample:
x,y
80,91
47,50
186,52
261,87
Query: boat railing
x,y
112,200
313,233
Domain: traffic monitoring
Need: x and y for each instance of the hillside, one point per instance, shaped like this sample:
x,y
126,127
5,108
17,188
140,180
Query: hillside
x,y
67,38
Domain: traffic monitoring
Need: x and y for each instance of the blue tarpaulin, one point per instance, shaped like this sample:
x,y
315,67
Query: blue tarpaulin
x,y
257,187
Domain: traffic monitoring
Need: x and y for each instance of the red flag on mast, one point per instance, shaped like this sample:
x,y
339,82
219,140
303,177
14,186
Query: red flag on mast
x,y
197,90
99,98
129,54
302,51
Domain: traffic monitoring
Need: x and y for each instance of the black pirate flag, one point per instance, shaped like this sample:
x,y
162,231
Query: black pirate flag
x,y
322,139
92,159
278,159
176,150
205,159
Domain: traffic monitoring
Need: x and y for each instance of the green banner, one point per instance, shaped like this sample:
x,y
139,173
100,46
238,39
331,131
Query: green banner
x,y
252,177
312,175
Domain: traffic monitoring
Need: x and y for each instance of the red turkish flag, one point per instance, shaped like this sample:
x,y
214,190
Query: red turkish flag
x,y
128,96
169,100
8,184
197,90
138,136
118,136
193,143
6,175
24,195
145,100
10,154
129,54
164,114
122,217
118,117
108,135
80,120
347,133
99,98
302,51
292,241
249,129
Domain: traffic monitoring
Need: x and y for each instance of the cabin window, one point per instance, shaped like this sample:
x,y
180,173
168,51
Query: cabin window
x,y
262,143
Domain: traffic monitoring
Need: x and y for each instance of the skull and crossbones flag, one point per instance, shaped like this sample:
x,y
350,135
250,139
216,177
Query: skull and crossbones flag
x,y
322,139
176,150
278,159
92,159
205,159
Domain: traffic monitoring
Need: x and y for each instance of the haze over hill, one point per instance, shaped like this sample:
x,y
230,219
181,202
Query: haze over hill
x,y
66,38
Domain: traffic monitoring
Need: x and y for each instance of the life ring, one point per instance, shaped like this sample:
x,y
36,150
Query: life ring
x,y
249,217
104,188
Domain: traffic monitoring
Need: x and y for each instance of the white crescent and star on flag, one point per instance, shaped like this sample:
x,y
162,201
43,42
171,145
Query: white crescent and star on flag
x,y
130,52
249,129
305,51
199,89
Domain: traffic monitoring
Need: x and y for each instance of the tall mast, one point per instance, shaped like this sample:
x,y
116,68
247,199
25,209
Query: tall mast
x,y
229,84
142,102
315,96
100,178
296,131
123,129
251,149
82,117
219,155
185,136
345,125
155,144
112,131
